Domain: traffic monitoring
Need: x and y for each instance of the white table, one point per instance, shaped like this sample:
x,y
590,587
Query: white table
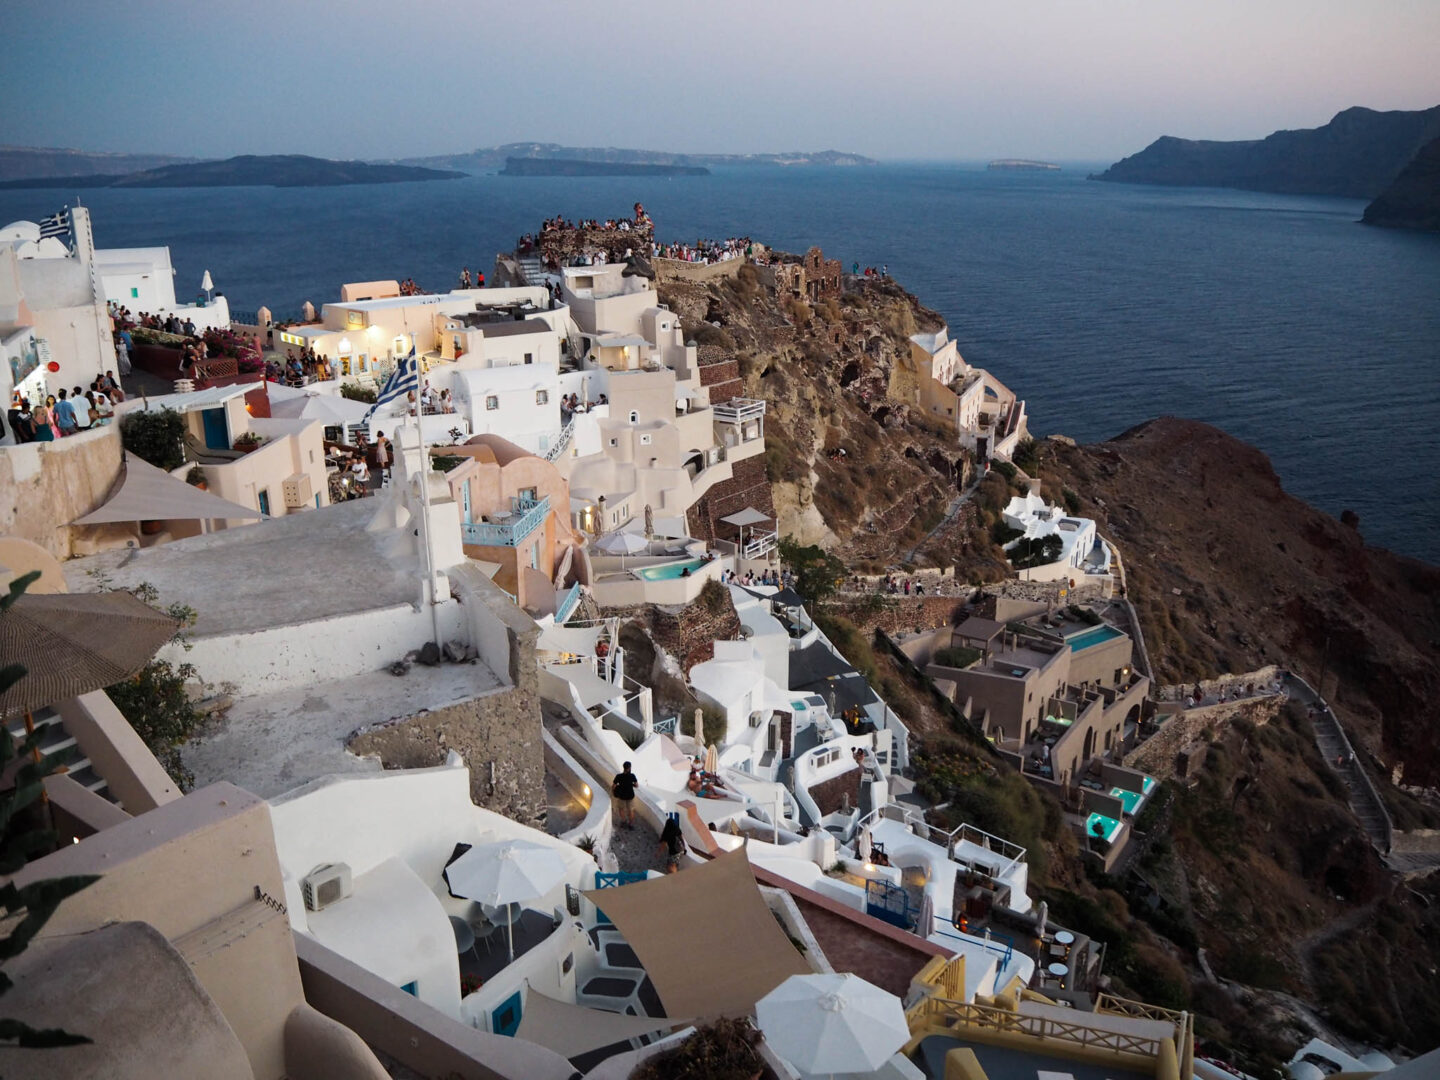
x,y
1064,937
1058,969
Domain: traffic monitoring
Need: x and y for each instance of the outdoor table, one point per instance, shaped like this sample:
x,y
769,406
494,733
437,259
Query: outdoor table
x,y
1064,937
1058,969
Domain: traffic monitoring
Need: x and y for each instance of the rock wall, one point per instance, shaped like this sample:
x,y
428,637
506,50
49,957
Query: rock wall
x,y
901,614
498,735
676,270
722,377
1184,731
748,486
45,486
1244,684
831,795
689,634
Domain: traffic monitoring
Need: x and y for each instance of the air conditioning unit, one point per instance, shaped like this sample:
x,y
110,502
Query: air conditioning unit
x,y
298,494
325,885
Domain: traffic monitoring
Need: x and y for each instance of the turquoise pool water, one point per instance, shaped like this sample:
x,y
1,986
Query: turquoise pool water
x,y
1094,636
1108,827
670,570
1129,799
1148,784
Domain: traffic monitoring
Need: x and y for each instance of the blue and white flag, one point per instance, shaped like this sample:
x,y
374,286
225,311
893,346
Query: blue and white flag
x,y
403,380
55,225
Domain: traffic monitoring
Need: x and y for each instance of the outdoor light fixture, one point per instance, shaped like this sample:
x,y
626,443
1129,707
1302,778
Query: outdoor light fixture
x,y
344,345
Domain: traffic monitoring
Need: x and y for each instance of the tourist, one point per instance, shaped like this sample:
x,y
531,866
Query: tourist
x,y
361,472
22,422
672,844
64,413
465,278
382,451
111,388
45,430
623,789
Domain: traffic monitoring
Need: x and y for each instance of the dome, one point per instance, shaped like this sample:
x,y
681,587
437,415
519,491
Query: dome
x,y
20,230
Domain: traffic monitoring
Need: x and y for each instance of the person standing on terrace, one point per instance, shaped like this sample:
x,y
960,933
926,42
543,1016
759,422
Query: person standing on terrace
x,y
623,788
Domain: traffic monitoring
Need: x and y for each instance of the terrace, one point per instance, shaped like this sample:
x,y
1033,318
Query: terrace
x,y
507,528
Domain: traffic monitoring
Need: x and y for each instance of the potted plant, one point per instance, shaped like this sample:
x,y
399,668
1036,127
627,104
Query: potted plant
x,y
248,441
196,478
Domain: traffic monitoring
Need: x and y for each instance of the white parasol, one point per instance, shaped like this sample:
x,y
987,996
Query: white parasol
x,y
832,1023
506,872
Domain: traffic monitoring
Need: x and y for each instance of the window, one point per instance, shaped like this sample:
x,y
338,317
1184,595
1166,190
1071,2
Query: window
x,y
530,494
535,565
263,498
634,416
312,457
492,403
412,988
529,358
567,964
614,441
134,293
542,397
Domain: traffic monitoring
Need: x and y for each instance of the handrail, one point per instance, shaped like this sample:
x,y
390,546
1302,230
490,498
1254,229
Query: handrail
x,y
562,443
488,534
738,410
1119,1006
567,604
960,1014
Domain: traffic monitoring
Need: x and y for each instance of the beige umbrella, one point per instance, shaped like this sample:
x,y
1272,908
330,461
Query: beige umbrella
x,y
72,644
712,758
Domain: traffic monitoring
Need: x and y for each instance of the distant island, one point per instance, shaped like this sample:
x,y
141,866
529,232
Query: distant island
x,y
1358,154
523,166
1413,200
1021,165
249,170
27,162
490,159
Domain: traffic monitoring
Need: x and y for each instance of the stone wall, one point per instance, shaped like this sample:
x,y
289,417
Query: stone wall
x,y
831,795
1242,684
1158,754
901,614
689,634
45,486
676,270
722,377
498,735
749,485
561,246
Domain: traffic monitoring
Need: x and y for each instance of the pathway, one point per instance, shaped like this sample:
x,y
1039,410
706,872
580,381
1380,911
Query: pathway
x,y
951,513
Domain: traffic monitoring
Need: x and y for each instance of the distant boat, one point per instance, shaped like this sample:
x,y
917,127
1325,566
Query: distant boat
x,y
1020,164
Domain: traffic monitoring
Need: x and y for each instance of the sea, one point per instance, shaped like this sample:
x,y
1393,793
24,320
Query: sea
x,y
1278,318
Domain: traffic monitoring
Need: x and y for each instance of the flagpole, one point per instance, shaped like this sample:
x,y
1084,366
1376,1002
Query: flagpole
x,y
429,594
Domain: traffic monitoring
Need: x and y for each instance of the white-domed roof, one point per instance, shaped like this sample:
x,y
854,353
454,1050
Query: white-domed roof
x,y
20,230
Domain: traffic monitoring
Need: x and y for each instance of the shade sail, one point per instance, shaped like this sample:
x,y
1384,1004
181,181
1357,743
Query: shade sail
x,y
580,640
146,493
748,516
592,689
72,644
754,954
571,1030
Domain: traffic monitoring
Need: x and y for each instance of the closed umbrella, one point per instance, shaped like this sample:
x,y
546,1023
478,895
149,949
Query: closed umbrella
x,y
506,872
71,644
862,845
832,1023
925,920
712,759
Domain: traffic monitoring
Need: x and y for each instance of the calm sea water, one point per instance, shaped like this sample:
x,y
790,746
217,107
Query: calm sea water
x,y
1275,317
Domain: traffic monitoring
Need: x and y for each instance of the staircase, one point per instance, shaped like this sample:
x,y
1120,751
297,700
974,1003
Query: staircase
x,y
54,739
620,985
532,269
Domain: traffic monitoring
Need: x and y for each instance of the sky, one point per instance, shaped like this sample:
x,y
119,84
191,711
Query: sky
x,y
1069,80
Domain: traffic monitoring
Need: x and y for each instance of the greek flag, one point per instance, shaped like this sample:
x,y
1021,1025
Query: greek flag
x,y
403,380
55,224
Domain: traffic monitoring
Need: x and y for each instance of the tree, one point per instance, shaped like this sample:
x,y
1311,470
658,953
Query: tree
x,y
817,572
23,834
156,436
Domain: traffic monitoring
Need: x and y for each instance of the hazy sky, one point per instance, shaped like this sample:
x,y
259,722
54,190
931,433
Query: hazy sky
x,y
1065,79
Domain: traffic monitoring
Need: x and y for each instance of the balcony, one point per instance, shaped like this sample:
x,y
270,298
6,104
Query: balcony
x,y
508,529
738,411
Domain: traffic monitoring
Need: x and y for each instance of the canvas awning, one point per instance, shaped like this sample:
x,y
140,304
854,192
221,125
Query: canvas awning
x,y
720,895
592,689
146,493
748,516
571,1030
579,640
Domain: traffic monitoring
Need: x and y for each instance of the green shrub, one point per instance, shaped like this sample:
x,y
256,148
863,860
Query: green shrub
x,y
1002,533
1027,456
356,392
1072,501
1005,469
714,597
156,436
1036,551
957,656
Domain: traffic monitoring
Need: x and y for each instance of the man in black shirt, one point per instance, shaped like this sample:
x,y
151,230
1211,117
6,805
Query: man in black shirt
x,y
623,788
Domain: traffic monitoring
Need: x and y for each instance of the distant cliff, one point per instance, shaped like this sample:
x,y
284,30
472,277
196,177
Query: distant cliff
x,y
488,159
27,162
1413,200
273,170
525,166
1356,155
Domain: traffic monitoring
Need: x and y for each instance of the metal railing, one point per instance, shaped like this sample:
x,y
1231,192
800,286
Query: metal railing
x,y
567,604
1014,854
510,533
760,545
562,443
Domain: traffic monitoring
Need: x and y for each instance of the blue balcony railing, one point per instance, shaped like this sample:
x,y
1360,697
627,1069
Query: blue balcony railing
x,y
527,516
567,604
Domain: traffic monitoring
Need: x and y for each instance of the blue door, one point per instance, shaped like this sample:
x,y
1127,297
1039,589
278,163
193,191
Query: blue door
x,y
264,498
217,431
506,1019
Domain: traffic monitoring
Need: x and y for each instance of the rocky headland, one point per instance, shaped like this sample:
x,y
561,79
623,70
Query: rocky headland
x,y
1413,200
249,170
1357,155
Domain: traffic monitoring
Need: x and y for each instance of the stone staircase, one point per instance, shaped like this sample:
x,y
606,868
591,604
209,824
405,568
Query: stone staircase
x,y
54,739
621,984
532,269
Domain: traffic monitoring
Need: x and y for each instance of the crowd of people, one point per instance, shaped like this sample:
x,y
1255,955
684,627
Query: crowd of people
x,y
706,251
300,369
775,578
409,288
870,271
571,404
66,413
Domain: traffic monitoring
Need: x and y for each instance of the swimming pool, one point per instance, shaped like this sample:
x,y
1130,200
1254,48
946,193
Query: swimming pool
x,y
1108,827
1128,799
1094,636
669,570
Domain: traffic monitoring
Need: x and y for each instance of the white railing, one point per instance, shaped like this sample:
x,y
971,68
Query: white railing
x,y
562,443
738,410
760,545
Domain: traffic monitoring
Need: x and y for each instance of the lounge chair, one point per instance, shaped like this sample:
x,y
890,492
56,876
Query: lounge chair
x,y
197,451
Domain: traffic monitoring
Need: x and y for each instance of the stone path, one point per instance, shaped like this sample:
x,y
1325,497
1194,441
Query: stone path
x,y
951,513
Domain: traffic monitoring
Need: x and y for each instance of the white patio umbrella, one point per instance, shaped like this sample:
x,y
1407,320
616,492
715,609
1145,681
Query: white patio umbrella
x,y
506,872
622,544
925,919
832,1023
862,845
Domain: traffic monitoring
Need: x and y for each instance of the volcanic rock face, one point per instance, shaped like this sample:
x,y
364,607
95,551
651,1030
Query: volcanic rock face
x,y
1413,200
